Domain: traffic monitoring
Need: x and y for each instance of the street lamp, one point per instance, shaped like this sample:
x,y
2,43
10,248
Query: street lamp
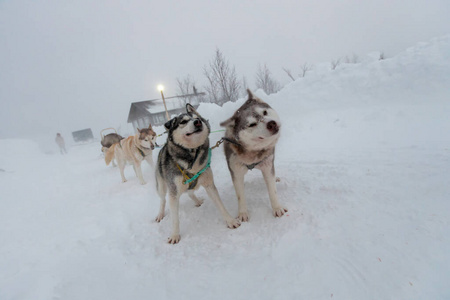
x,y
161,89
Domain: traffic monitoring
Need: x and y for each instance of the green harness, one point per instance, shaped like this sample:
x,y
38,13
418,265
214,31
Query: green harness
x,y
189,180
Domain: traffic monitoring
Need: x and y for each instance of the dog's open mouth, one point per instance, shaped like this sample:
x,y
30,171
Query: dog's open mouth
x,y
195,131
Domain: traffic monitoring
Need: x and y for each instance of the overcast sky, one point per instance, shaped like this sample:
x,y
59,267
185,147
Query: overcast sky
x,y
70,65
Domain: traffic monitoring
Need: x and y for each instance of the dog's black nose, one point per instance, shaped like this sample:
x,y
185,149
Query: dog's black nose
x,y
272,126
197,123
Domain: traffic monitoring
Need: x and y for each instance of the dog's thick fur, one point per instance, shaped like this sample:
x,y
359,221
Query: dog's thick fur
x,y
133,150
109,140
251,135
186,149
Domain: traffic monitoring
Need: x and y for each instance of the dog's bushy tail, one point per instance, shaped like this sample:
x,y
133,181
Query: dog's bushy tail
x,y
109,156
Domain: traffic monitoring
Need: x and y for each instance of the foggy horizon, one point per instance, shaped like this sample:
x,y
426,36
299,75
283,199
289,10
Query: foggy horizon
x,y
71,66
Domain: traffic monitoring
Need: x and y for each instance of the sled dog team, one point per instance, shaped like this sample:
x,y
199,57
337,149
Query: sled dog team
x,y
184,161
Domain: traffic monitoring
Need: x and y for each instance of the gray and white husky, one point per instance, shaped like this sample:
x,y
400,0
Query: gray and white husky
x,y
251,135
183,166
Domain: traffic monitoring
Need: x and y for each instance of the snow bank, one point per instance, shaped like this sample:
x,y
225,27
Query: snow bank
x,y
398,102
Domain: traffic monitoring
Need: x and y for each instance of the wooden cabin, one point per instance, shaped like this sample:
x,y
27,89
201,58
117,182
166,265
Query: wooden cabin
x,y
153,112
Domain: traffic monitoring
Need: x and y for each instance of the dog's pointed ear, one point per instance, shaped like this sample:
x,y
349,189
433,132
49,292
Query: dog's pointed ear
x,y
169,124
149,126
228,123
251,97
138,130
190,109
250,94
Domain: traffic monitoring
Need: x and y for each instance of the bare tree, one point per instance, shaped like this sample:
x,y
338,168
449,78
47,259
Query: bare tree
x,y
354,59
335,63
289,73
223,85
304,68
186,86
265,81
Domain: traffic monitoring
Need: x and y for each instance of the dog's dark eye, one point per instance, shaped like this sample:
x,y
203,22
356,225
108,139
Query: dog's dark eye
x,y
183,122
252,125
265,112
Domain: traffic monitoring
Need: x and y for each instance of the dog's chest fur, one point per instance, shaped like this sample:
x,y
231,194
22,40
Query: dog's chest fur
x,y
192,160
247,157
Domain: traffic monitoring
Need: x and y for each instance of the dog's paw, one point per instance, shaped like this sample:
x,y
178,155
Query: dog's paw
x,y
174,239
143,182
243,217
159,218
233,223
278,212
198,202
124,180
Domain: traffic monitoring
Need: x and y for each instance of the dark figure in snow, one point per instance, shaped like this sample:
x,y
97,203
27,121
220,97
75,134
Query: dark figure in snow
x,y
60,141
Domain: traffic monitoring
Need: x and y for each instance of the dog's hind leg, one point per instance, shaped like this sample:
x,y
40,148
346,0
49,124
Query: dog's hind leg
x,y
212,192
197,201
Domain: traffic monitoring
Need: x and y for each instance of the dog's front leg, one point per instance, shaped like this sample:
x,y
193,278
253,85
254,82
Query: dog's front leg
x,y
138,171
238,182
149,160
174,201
269,178
162,191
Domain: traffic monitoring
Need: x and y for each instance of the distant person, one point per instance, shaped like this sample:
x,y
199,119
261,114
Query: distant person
x,y
60,141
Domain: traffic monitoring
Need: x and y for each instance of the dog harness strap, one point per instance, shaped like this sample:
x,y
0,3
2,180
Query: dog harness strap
x,y
142,152
252,166
219,142
189,180
182,172
231,141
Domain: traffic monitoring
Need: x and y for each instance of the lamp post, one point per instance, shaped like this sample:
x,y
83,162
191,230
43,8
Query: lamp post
x,y
161,88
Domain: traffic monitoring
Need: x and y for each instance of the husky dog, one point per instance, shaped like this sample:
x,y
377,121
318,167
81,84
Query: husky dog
x,y
133,150
183,166
251,135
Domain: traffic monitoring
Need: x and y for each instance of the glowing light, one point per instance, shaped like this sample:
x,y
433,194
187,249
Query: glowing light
x,y
160,88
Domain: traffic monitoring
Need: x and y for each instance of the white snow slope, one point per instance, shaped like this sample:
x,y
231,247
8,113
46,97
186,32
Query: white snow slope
x,y
364,162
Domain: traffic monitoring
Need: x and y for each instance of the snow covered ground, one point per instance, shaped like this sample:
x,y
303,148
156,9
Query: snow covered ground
x,y
364,162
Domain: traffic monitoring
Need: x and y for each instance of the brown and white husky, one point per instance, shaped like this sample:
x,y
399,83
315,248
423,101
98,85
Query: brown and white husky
x,y
133,150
